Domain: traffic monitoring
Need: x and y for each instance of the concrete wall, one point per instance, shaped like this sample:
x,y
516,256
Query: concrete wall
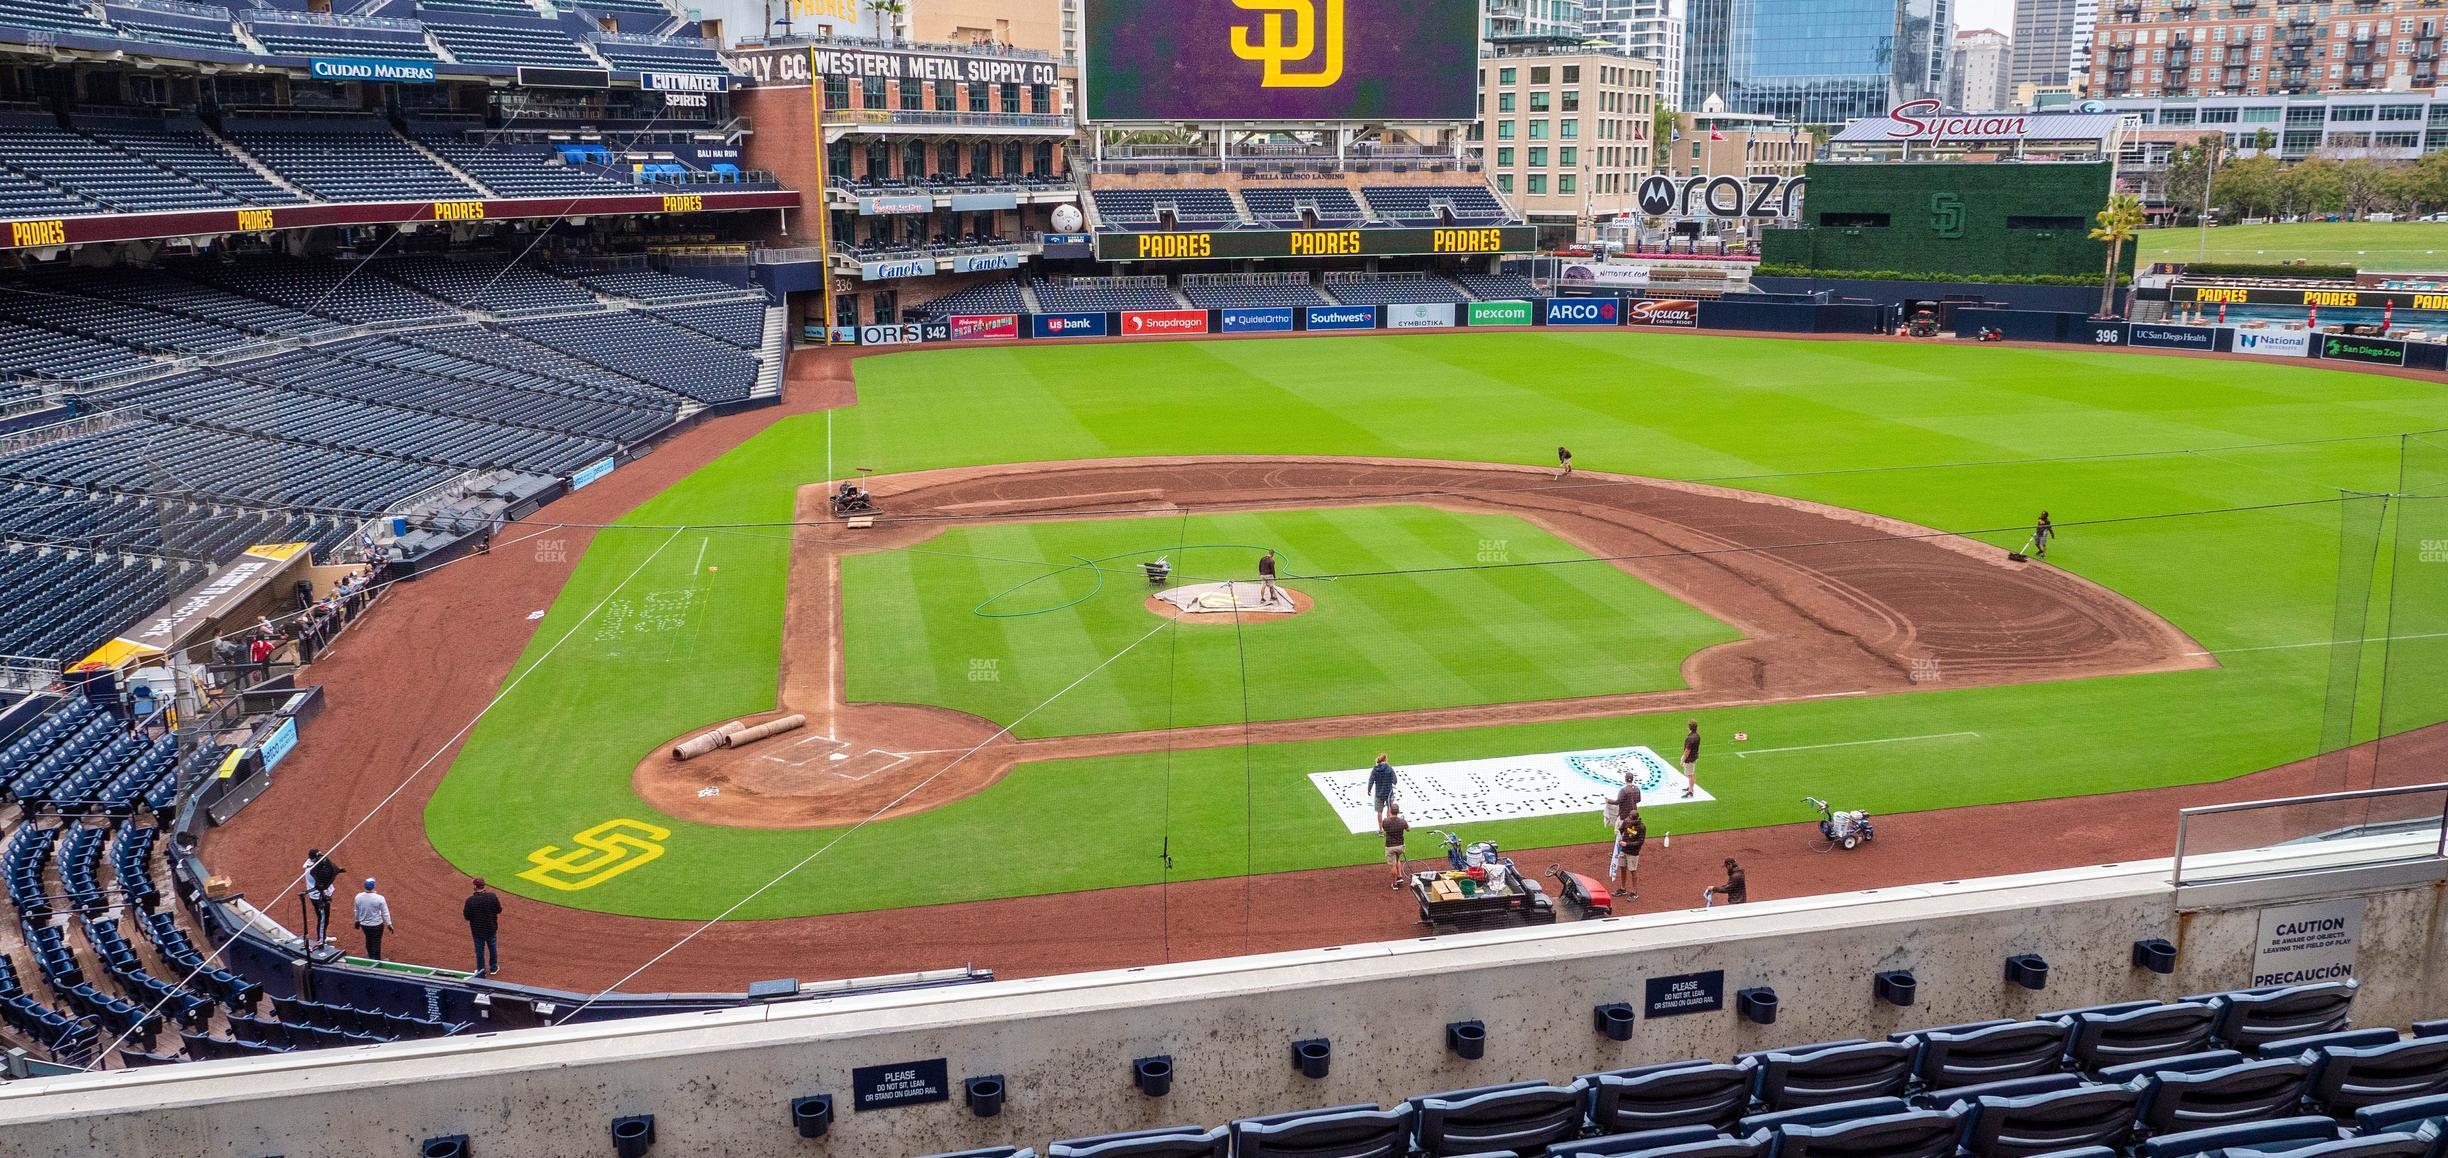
x,y
718,1083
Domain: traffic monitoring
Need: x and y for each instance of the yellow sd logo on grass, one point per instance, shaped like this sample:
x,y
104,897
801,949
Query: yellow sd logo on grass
x,y
602,853
1309,42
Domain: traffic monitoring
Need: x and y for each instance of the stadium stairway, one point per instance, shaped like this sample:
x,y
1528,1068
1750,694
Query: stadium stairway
x,y
444,163
774,352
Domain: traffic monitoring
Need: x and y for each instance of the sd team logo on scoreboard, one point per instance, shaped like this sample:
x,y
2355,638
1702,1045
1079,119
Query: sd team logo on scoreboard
x,y
1282,60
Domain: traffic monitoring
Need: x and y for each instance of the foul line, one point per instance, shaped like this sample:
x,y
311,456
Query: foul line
x,y
2320,643
1854,743
863,822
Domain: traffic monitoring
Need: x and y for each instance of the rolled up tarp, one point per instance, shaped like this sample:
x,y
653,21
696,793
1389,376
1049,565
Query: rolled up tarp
x,y
769,728
694,747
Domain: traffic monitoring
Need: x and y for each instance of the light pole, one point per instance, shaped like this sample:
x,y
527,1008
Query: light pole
x,y
2209,177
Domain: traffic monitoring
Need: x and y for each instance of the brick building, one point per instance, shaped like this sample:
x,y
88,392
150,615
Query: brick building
x,y
2179,48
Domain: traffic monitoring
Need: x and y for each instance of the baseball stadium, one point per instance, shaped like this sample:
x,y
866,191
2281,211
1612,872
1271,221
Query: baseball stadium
x,y
951,579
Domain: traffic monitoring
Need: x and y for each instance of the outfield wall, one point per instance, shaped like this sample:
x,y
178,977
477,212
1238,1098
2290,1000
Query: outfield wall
x,y
721,1081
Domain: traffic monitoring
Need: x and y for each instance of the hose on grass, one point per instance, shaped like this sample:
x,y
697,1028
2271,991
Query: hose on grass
x,y
1095,565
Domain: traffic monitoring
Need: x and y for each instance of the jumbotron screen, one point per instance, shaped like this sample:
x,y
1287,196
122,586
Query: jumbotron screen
x,y
1282,60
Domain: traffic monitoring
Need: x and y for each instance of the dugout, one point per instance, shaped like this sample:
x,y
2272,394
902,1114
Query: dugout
x,y
163,657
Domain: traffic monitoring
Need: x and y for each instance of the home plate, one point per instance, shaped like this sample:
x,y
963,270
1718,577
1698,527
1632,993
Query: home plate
x,y
802,752
867,763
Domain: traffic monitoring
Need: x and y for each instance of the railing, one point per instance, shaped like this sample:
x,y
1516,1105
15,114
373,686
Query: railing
x,y
1335,277
376,529
176,8
45,435
674,41
23,675
940,118
974,49
327,19
1191,279
2235,842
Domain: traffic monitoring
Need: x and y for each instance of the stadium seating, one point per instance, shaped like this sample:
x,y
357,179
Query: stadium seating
x,y
492,285
640,283
994,297
1409,289
68,16
669,355
1499,287
1211,208
1208,295
492,40
677,55
1105,293
191,26
1319,207
1419,205
294,33
349,159
182,147
38,149
516,169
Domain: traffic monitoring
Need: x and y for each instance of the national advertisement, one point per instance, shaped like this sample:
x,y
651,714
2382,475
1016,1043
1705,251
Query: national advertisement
x,y
1499,314
1680,314
1338,317
2379,351
1420,316
982,327
1581,312
1274,319
2274,343
1282,60
1461,792
1159,323
1085,325
2159,337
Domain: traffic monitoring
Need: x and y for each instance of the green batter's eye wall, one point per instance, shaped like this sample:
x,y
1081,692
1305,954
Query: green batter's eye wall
x,y
1971,219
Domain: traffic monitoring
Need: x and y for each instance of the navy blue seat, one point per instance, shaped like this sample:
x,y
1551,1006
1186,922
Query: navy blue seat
x,y
1836,1073
1359,1131
2040,1123
2246,1018
1516,1116
2347,1078
2275,1135
2101,1040
1912,1134
1822,1115
1992,1052
1689,1093
2177,1101
1167,1142
1686,1142
2403,1115
2361,1146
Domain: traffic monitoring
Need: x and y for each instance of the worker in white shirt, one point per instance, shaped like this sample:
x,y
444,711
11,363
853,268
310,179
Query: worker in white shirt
x,y
373,919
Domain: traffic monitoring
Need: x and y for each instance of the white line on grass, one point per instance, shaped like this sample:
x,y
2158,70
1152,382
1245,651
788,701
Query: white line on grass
x,y
1855,743
2320,643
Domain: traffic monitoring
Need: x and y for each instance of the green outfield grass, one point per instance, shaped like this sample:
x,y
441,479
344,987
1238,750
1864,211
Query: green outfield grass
x,y
1006,637
2399,246
1960,437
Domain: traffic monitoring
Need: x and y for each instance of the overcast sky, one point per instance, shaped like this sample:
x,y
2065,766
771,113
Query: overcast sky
x,y
1998,14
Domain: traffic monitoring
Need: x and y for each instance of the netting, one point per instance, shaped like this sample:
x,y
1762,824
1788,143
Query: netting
x,y
2361,522
2414,663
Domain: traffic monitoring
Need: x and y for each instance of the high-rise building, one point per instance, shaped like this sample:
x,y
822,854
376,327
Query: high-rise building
x,y
1649,29
2044,53
1977,80
2078,54
1552,21
1565,134
1817,62
2179,48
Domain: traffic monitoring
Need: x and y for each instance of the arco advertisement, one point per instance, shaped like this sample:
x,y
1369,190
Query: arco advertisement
x,y
1581,312
1159,323
1679,314
1424,316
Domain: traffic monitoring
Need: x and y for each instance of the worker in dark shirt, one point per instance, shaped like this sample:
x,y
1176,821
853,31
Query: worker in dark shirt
x,y
1691,758
1628,842
1394,827
321,876
1267,594
1564,461
2043,530
1626,799
483,913
1381,785
1735,890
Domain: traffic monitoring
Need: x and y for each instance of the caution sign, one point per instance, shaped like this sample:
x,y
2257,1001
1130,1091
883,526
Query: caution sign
x,y
2303,944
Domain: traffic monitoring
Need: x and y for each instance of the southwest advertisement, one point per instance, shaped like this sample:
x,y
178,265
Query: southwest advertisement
x,y
1338,317
1676,315
1282,60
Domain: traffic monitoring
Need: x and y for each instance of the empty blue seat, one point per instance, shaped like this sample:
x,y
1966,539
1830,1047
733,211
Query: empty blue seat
x,y
1172,1142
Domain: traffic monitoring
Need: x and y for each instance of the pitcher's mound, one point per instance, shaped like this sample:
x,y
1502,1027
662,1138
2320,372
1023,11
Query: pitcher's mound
x,y
1223,602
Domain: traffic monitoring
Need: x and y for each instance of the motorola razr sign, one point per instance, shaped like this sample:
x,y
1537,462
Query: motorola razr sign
x,y
1757,197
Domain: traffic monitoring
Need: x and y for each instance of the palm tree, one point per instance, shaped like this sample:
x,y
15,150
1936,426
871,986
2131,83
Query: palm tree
x,y
888,17
2117,224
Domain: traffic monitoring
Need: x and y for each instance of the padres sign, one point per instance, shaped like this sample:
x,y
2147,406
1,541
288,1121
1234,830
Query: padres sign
x,y
601,853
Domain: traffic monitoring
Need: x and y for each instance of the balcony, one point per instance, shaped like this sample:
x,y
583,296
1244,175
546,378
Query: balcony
x,y
839,122
2241,5
2178,60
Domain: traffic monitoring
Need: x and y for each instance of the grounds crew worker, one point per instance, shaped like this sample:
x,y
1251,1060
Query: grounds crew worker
x,y
1736,890
1394,827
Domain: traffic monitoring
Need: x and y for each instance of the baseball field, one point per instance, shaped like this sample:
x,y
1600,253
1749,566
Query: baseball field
x,y
1799,544
2380,246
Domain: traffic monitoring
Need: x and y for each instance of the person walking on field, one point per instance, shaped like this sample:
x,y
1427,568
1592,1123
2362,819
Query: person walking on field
x,y
1381,785
1267,594
2042,531
1625,871
321,878
1691,758
373,919
483,913
1626,799
1394,827
1564,460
